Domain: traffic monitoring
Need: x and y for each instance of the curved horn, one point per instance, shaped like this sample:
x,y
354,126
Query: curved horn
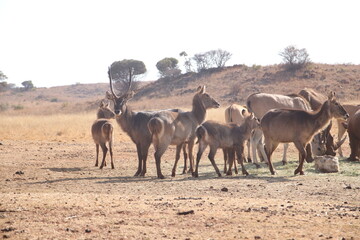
x,y
111,84
338,144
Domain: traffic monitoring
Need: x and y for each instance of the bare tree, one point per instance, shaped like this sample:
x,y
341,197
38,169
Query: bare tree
x,y
202,61
187,63
211,59
219,57
295,58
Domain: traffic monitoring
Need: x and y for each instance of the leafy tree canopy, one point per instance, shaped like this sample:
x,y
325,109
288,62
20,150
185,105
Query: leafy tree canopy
x,y
126,71
168,67
27,85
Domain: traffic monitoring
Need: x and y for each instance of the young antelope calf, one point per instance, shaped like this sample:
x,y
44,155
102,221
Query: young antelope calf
x,y
230,136
102,132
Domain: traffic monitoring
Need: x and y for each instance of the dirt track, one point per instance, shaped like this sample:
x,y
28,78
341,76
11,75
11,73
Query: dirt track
x,y
51,190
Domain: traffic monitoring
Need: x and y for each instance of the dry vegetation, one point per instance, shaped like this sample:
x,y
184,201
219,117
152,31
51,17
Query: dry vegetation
x,y
50,188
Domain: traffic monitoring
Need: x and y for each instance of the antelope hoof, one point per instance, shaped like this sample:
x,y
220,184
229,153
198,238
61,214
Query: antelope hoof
x,y
273,172
228,173
249,160
298,171
245,173
160,176
184,172
284,162
195,174
173,174
257,165
309,160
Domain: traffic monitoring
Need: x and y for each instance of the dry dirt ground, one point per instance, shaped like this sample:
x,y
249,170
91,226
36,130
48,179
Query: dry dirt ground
x,y
51,190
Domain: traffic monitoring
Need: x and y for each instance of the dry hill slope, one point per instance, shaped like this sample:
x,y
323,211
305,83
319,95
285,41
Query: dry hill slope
x,y
228,85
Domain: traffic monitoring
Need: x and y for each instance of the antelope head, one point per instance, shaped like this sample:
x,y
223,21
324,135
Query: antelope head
x,y
105,111
336,109
252,121
119,101
206,99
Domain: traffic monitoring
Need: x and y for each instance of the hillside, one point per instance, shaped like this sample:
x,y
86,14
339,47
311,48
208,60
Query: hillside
x,y
228,85
234,84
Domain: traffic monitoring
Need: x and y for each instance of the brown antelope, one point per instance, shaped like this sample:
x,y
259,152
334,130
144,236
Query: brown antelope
x,y
102,133
133,123
322,143
229,136
176,128
354,136
261,103
298,126
235,114
351,109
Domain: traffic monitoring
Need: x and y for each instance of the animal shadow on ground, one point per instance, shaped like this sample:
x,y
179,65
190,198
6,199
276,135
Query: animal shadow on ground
x,y
64,169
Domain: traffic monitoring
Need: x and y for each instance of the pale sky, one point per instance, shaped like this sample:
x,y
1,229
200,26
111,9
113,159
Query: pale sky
x,y
63,42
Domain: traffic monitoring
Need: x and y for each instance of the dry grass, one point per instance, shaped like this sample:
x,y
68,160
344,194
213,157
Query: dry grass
x,y
59,127
62,127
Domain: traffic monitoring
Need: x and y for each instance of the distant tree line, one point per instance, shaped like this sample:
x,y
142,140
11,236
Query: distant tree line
x,y
168,67
4,85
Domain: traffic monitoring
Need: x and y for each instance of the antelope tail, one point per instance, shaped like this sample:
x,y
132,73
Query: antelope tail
x,y
156,127
106,131
200,133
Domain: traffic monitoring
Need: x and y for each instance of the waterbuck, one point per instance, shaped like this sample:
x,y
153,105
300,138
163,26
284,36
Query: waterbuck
x,y
322,143
354,136
351,109
261,103
102,133
298,126
176,128
235,114
229,136
133,123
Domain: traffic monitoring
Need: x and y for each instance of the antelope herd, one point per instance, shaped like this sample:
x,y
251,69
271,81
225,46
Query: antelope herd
x,y
267,120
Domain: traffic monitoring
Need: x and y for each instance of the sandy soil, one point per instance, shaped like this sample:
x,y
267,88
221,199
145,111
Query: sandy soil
x,y
51,190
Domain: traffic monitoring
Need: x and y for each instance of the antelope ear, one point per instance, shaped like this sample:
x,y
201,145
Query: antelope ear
x,y
203,89
102,104
109,95
331,95
130,95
